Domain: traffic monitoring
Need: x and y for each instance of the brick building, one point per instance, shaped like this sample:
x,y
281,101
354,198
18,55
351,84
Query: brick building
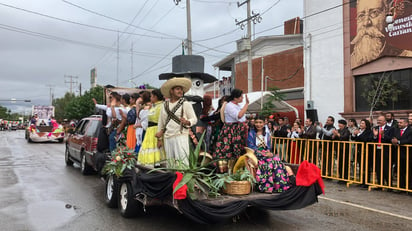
x,y
277,62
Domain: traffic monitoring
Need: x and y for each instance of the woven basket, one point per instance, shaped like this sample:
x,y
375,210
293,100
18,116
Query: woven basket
x,y
237,188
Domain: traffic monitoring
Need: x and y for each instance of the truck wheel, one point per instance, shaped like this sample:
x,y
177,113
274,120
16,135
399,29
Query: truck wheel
x,y
84,166
128,206
67,157
112,192
61,140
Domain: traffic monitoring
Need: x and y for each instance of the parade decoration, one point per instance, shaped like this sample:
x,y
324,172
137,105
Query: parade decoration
x,y
122,159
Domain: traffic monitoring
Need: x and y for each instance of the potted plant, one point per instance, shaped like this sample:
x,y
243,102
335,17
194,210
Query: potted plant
x,y
238,183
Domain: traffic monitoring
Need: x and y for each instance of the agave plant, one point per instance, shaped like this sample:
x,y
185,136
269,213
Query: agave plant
x,y
198,177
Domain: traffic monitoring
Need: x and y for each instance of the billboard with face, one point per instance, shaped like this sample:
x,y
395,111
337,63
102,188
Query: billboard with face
x,y
374,36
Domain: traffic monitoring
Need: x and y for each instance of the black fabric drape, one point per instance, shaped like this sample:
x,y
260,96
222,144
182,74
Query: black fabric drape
x,y
160,186
206,213
155,185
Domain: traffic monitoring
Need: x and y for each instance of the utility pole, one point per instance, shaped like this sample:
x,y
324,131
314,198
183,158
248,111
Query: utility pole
x,y
256,19
71,81
117,64
131,68
51,93
189,25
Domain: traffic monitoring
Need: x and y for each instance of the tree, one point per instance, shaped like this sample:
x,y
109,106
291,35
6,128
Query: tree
x,y
77,107
83,106
269,106
60,105
380,92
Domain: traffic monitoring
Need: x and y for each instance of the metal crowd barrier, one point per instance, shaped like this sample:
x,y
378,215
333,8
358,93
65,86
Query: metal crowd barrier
x,y
371,164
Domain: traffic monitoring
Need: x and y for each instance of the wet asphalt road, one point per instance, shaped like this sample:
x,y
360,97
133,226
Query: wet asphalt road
x,y
38,192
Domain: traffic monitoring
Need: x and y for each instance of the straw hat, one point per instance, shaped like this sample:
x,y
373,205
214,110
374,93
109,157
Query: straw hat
x,y
250,153
185,83
248,156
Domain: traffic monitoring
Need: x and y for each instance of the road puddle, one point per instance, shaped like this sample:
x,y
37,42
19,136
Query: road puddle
x,y
48,215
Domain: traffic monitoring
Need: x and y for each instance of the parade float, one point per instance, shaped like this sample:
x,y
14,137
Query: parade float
x,y
43,127
195,189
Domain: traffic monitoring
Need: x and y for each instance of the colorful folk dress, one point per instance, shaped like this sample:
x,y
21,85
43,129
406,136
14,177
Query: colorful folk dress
x,y
231,141
271,174
149,153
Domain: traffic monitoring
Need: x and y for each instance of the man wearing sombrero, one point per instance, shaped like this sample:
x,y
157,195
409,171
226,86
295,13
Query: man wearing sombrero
x,y
176,118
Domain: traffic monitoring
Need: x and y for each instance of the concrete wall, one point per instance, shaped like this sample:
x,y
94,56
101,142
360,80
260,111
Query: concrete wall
x,y
323,57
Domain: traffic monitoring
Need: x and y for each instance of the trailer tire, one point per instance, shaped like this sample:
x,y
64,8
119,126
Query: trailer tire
x,y
128,205
112,192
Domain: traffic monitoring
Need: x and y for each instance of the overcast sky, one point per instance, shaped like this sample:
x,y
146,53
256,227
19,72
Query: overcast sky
x,y
43,41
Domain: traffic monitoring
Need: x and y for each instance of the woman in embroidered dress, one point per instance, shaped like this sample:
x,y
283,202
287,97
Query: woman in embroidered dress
x,y
272,174
142,113
233,135
149,153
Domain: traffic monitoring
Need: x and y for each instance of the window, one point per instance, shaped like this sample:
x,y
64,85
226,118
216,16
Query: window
x,y
93,128
79,127
384,91
84,127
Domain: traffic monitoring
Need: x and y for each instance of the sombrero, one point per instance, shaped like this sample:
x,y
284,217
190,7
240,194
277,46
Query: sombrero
x,y
249,156
185,83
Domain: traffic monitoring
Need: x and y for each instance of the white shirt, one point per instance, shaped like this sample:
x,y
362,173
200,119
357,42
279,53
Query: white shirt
x,y
231,113
109,112
173,128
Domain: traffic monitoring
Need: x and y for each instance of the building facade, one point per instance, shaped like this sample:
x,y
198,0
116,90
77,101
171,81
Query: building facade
x,y
357,61
277,63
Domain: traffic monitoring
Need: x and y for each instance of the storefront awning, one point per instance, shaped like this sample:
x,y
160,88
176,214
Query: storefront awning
x,y
255,102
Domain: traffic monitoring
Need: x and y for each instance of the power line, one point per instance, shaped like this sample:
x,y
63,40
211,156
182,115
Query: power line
x,y
118,20
71,81
86,25
60,39
148,69
274,4
117,40
311,15
217,2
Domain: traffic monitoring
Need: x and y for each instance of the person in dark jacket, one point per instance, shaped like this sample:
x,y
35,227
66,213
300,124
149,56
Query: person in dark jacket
x,y
403,136
309,132
281,131
363,134
342,149
383,134
326,133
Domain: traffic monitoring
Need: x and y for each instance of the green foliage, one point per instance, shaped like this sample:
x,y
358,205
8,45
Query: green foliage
x,y
6,114
240,175
122,158
269,106
198,177
78,107
60,105
379,93
148,86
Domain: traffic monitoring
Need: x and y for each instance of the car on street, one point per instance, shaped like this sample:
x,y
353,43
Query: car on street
x,y
81,144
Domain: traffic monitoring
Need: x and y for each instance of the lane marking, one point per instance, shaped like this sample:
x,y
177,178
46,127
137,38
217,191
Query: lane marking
x,y
367,208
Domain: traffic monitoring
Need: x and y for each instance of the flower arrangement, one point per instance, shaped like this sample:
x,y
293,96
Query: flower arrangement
x,y
122,158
